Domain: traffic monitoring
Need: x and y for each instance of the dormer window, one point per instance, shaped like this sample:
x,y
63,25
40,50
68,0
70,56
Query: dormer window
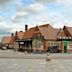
x,y
60,37
69,37
64,37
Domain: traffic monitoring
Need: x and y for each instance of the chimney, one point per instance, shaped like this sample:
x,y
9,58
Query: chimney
x,y
26,27
12,34
16,33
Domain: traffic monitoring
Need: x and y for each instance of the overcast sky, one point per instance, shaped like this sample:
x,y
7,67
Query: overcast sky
x,y
14,14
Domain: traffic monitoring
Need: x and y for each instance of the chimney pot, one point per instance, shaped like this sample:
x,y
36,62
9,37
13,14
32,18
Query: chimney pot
x,y
26,27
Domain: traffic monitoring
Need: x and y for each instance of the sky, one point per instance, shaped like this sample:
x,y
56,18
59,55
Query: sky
x,y
14,14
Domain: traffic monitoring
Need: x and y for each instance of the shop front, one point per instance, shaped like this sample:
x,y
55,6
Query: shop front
x,y
67,46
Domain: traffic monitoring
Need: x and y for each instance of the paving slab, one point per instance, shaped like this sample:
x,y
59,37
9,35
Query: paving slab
x,y
59,65
22,65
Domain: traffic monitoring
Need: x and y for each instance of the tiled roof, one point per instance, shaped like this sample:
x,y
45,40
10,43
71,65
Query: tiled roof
x,y
29,33
13,39
49,33
20,34
9,39
69,30
61,34
6,40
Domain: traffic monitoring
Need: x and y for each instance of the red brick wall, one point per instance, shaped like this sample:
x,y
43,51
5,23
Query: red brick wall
x,y
46,45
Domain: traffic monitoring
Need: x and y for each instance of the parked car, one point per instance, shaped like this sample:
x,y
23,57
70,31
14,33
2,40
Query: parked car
x,y
3,47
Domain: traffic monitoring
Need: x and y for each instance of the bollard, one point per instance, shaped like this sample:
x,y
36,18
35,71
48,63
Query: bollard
x,y
25,52
48,58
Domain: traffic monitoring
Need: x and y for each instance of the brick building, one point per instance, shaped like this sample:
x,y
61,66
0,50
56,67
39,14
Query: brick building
x,y
44,38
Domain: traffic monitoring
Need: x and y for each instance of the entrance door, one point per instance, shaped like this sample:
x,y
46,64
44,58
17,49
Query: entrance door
x,y
65,46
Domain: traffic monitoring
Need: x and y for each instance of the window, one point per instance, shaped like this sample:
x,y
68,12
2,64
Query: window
x,y
48,43
64,37
21,43
54,44
69,37
60,37
51,43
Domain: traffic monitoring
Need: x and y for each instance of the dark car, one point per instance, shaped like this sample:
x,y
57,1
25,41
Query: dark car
x,y
3,47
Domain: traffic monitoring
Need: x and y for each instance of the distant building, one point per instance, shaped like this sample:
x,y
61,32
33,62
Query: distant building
x,y
7,41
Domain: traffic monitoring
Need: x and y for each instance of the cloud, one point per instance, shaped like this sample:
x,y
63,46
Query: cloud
x,y
19,16
23,13
4,1
7,27
4,30
1,19
46,1
35,8
54,18
65,2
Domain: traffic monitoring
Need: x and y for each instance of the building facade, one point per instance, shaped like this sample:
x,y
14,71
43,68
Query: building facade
x,y
44,38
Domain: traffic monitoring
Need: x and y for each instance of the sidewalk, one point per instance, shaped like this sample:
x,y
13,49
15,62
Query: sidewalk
x,y
12,54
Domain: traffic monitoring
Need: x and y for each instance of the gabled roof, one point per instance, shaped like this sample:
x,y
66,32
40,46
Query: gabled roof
x,y
13,39
6,39
20,34
61,34
29,33
49,33
69,29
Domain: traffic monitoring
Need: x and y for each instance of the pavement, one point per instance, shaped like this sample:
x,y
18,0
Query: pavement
x,y
61,56
22,55
35,65
22,65
20,62
59,65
